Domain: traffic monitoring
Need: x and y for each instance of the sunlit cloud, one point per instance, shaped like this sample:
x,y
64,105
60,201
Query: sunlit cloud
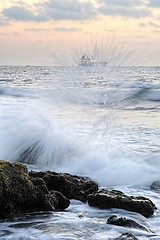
x,y
154,3
77,10
155,25
69,10
52,10
151,24
3,33
20,13
109,30
4,23
37,29
64,24
144,25
156,31
123,8
124,3
3,20
62,29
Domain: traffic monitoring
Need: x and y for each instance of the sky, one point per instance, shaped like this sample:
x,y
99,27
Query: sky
x,y
46,32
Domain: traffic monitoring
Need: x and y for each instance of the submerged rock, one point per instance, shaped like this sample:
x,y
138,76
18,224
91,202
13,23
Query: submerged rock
x,y
19,193
106,199
71,186
124,222
126,236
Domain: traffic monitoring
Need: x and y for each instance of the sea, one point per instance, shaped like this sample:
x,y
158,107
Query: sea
x,y
99,122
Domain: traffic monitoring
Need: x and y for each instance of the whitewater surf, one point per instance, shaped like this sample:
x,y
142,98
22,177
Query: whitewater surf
x,y
100,123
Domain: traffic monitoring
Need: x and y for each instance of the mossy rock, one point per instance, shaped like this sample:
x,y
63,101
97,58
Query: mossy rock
x,y
10,171
19,194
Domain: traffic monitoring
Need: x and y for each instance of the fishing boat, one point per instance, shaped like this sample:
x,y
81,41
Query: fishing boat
x,y
89,61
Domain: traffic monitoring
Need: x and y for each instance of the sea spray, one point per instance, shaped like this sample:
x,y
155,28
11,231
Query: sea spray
x,y
91,125
74,123
27,135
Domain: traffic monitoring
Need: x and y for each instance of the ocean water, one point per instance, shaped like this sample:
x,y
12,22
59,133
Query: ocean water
x,y
101,122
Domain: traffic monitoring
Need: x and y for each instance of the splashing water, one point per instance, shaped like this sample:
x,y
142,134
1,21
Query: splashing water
x,y
78,120
101,123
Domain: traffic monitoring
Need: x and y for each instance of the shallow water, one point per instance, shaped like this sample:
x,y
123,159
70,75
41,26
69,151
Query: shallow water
x,y
96,122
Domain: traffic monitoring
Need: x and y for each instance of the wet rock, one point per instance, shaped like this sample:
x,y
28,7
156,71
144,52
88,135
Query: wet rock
x,y
40,183
124,222
106,199
156,186
126,236
19,193
71,186
60,201
56,182
83,186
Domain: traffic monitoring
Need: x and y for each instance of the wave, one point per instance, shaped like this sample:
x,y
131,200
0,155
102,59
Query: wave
x,y
6,80
120,98
16,92
29,136
117,97
59,128
40,142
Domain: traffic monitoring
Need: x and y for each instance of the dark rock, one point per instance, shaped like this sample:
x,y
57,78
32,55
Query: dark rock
x,y
58,183
40,183
83,186
156,186
71,186
106,199
55,182
60,201
124,222
126,236
19,193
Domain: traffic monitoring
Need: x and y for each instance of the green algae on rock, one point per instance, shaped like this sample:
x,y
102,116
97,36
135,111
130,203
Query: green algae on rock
x,y
19,194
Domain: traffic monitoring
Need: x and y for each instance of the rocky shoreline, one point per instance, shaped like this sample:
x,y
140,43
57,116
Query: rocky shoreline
x,y
22,191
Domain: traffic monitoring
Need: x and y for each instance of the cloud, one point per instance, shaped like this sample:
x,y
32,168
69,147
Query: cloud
x,y
66,29
156,31
3,33
109,30
3,20
124,12
124,3
76,10
21,13
69,10
4,23
154,3
129,8
144,25
37,30
152,24
52,10
140,36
